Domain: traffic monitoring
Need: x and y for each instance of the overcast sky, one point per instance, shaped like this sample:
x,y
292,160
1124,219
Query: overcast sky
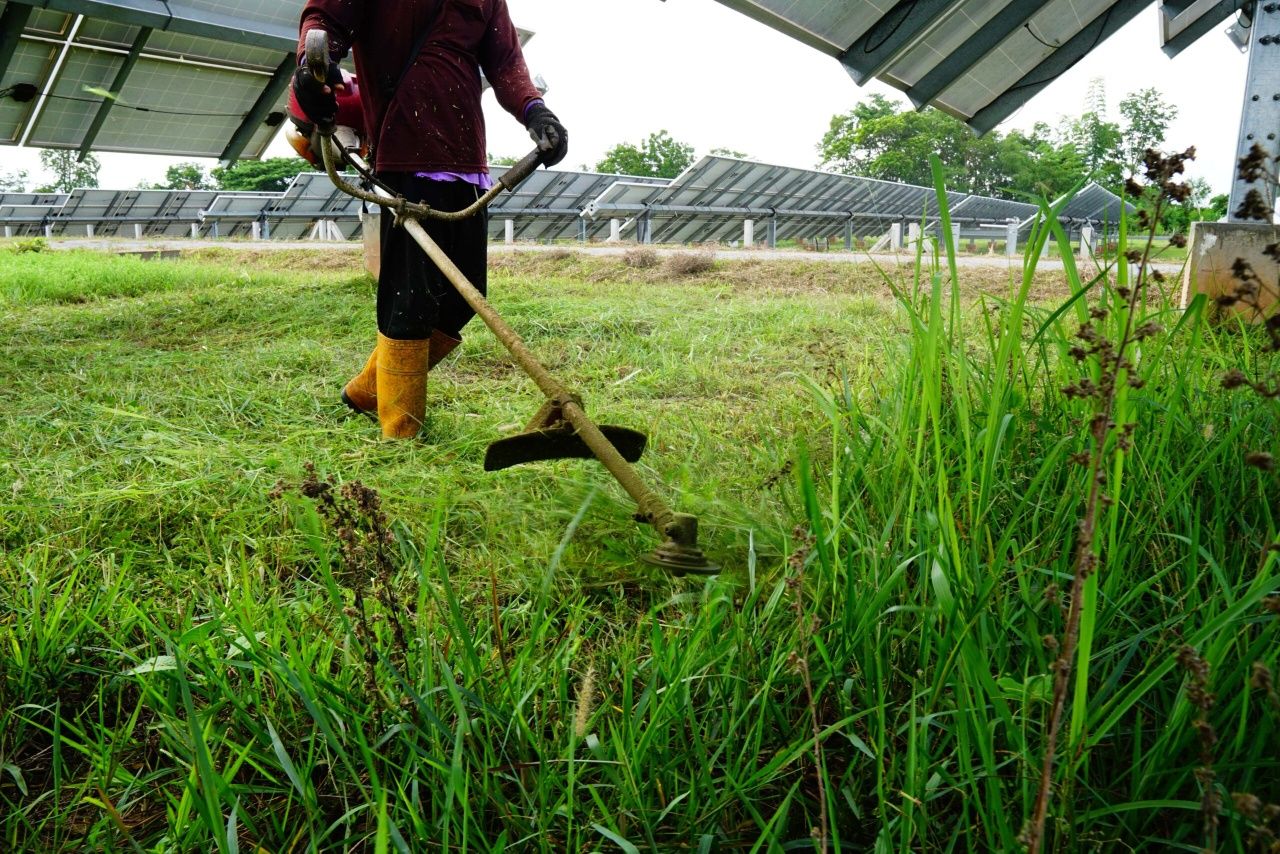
x,y
622,69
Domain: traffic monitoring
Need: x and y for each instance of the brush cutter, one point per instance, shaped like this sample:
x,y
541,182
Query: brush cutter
x,y
561,429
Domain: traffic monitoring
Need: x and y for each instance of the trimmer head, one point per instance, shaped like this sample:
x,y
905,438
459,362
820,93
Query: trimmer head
x,y
560,442
680,560
680,554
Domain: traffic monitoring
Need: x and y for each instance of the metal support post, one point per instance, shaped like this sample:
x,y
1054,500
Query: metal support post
x,y
1086,243
137,231
773,232
615,231
1260,118
582,230
266,228
848,235
255,228
8,231
748,233
195,231
955,236
1011,238
509,231
913,237
895,237
644,229
213,230
48,232
88,229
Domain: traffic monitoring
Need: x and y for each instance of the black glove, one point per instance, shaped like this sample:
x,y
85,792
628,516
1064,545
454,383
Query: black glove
x,y
546,130
318,105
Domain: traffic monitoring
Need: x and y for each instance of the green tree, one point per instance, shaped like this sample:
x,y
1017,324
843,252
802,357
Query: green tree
x,y
879,139
13,182
507,160
1036,166
1199,207
730,152
1217,208
69,172
659,156
1147,116
185,176
271,175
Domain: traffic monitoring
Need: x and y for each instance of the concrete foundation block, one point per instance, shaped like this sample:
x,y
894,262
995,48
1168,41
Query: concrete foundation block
x,y
1214,249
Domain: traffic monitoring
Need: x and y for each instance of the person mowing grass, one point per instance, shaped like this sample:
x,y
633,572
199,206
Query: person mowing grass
x,y
418,65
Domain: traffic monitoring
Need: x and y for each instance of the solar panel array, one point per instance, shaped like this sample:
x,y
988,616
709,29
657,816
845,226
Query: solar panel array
x,y
979,60
153,213
709,203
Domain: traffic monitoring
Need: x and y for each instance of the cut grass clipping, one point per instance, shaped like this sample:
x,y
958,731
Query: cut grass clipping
x,y
477,662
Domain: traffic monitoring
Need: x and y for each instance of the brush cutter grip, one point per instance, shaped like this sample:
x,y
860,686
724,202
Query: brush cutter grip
x,y
318,65
517,173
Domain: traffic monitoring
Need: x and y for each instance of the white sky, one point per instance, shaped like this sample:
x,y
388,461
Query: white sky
x,y
622,69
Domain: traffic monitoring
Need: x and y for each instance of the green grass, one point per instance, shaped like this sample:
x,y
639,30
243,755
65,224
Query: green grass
x,y
886,481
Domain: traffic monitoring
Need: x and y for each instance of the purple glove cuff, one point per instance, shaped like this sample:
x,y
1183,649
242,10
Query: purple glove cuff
x,y
536,102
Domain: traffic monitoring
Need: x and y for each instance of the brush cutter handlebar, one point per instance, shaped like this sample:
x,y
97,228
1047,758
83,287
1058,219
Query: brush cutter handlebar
x,y
317,57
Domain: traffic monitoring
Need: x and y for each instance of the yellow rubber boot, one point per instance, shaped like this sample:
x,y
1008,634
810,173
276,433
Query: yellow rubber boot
x,y
361,394
402,386
442,345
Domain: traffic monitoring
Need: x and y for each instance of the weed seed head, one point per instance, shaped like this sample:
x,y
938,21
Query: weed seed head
x,y
585,704
1261,460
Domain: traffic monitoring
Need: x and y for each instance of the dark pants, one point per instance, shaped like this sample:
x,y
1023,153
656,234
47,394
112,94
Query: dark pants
x,y
414,297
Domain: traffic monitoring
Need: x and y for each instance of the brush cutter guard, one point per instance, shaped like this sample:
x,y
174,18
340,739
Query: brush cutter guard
x,y
561,429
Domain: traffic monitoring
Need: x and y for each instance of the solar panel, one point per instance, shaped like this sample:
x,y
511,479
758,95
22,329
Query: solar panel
x,y
312,197
24,220
157,213
197,78
48,199
234,214
549,205
191,78
979,60
1095,205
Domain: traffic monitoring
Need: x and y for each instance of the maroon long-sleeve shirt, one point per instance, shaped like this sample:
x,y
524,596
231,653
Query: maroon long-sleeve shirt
x,y
434,122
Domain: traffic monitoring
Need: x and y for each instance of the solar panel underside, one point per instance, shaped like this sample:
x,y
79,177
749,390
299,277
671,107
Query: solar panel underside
x,y
310,198
198,78
176,91
978,59
1095,204
233,214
